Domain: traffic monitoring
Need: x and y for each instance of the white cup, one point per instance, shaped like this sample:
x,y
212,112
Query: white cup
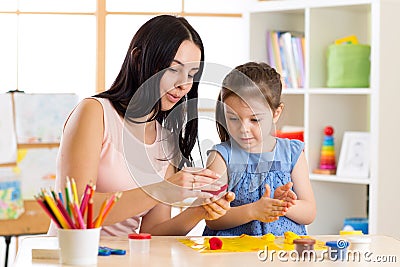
x,y
79,246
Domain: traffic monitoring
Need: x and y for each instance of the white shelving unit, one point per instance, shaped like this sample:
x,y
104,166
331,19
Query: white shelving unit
x,y
316,106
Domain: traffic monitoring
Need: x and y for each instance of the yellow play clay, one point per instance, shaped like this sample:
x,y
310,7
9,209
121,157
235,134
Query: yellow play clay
x,y
247,243
357,232
289,237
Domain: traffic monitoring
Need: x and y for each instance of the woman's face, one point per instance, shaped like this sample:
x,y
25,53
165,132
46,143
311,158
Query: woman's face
x,y
178,78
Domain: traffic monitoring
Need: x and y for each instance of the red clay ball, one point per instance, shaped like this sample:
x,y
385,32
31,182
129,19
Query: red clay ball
x,y
215,243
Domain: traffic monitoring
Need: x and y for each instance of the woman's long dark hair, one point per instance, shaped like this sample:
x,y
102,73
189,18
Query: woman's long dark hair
x,y
150,52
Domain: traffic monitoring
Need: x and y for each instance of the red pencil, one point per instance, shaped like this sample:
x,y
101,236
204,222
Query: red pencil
x,y
85,199
64,212
90,214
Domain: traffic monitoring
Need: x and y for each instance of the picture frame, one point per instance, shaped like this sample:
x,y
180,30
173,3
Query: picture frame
x,y
354,160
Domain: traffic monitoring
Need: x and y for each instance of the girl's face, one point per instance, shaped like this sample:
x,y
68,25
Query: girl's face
x,y
249,123
178,78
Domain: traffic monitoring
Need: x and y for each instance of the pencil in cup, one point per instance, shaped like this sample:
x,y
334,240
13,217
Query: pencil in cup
x,y
105,209
85,198
48,203
70,215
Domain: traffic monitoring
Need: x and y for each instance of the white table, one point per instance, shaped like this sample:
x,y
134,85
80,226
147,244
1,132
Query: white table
x,y
168,251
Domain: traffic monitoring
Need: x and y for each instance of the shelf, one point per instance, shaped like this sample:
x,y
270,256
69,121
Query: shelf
x,y
346,109
337,179
327,91
286,6
38,145
292,91
339,91
8,165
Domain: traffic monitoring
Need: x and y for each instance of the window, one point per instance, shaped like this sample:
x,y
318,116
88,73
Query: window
x,y
53,47
48,46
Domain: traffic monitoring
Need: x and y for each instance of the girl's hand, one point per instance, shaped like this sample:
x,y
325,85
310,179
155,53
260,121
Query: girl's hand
x,y
285,193
216,208
267,209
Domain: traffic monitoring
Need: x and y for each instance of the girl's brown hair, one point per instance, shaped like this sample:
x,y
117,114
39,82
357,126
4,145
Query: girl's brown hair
x,y
252,80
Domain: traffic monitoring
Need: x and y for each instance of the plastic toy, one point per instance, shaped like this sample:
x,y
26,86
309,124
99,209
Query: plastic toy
x,y
327,162
106,251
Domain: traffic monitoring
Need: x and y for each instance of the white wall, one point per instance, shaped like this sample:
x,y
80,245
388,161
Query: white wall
x,y
389,108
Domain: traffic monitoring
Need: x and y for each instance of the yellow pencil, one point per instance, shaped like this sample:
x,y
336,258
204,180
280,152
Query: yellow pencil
x,y
56,211
74,191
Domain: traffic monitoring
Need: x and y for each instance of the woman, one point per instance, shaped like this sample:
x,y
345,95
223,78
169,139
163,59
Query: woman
x,y
149,106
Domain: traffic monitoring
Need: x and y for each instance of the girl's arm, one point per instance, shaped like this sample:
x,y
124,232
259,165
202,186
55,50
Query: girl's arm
x,y
304,211
265,209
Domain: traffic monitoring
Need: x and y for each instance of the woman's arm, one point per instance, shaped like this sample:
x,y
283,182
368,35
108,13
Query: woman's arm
x,y
80,155
80,150
304,211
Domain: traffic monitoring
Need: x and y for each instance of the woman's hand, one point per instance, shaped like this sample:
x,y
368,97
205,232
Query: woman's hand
x,y
181,185
267,209
216,208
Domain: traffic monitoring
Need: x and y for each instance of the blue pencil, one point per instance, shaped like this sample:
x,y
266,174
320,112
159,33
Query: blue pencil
x,y
61,197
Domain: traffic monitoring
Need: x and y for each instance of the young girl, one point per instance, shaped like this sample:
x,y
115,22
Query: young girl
x,y
261,169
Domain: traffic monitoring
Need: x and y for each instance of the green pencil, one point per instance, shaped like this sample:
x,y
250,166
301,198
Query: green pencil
x,y
67,201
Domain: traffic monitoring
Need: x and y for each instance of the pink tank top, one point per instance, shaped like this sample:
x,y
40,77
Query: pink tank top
x,y
114,174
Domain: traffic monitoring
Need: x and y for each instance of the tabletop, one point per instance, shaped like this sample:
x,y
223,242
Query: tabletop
x,y
169,251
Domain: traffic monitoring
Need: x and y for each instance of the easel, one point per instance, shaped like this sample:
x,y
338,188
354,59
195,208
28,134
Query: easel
x,y
34,220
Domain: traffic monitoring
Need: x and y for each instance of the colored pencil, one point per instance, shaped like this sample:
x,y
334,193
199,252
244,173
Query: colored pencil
x,y
53,194
68,192
47,211
107,207
85,199
101,212
74,214
79,217
61,197
56,211
67,201
110,204
65,214
74,191
69,214
89,219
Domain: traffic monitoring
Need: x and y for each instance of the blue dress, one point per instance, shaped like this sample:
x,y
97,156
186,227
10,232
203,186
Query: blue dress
x,y
248,173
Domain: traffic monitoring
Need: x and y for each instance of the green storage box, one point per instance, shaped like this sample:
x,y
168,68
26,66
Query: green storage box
x,y
348,65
